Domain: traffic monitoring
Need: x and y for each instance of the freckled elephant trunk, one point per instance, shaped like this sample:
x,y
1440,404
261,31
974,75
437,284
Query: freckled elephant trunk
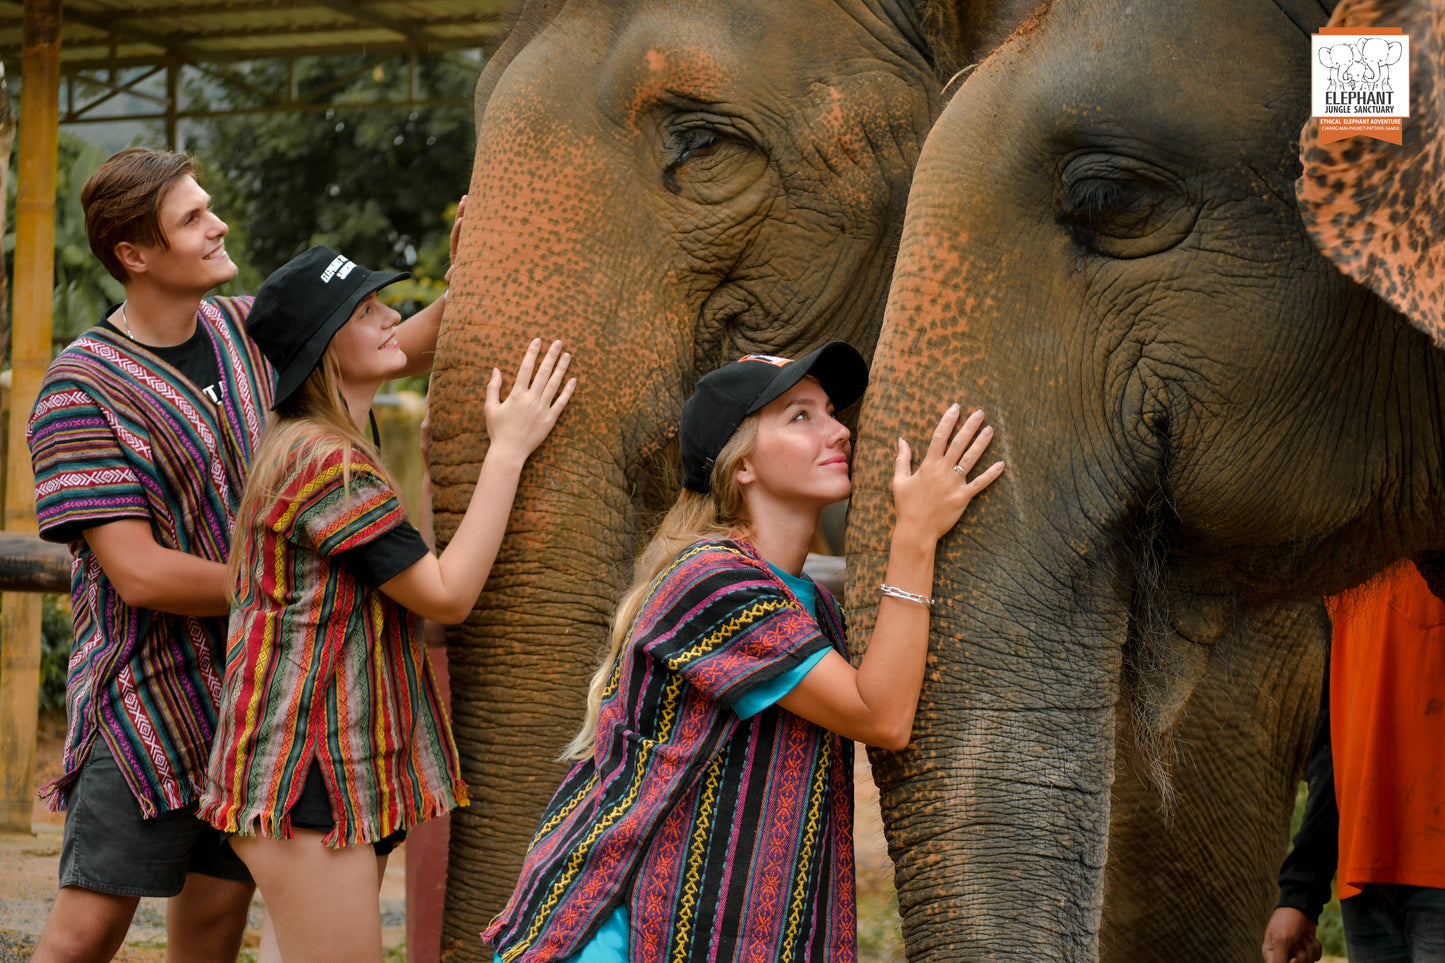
x,y
997,814
519,666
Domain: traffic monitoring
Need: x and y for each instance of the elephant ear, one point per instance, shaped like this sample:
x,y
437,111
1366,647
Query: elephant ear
x,y
1378,209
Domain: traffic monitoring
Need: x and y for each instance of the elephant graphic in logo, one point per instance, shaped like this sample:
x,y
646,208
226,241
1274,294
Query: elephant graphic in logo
x,y
1371,68
1341,59
1363,65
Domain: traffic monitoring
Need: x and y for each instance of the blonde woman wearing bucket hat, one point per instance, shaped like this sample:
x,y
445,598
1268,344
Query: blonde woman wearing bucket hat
x,y
332,739
708,815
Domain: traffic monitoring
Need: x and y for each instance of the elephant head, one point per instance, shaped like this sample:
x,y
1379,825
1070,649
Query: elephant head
x,y
666,186
1340,59
1376,55
1206,425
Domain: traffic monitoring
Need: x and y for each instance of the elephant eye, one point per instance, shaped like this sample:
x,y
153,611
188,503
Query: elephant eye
x,y
708,161
1121,207
694,143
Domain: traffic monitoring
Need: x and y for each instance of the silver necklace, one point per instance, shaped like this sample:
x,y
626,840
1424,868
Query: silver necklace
x,y
125,322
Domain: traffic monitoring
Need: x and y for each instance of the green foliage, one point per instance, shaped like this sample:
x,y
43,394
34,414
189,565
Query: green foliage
x,y
1330,931
56,633
83,289
880,931
378,184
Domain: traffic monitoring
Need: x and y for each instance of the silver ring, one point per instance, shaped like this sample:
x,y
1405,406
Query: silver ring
x,y
959,469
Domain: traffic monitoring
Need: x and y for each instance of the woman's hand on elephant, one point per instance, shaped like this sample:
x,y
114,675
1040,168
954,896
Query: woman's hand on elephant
x,y
518,424
444,588
456,237
931,500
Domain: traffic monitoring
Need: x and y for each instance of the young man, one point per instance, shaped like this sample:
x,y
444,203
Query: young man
x,y
140,440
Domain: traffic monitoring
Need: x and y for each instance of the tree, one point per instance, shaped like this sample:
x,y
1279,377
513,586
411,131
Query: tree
x,y
376,183
83,289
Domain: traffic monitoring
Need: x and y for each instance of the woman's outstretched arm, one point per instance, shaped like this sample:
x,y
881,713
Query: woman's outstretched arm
x,y
875,702
445,588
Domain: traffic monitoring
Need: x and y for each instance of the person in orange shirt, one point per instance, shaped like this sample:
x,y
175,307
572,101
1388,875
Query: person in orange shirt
x,y
1375,817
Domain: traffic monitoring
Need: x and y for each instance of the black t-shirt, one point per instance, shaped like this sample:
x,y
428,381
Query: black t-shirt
x,y
195,358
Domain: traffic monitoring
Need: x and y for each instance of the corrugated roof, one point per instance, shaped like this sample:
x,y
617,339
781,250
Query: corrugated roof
x,y
98,34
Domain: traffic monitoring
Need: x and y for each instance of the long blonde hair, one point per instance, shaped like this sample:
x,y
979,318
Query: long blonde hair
x,y
692,518
313,424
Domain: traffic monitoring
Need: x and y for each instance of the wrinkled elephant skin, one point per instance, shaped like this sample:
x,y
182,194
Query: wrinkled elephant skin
x,y
1205,424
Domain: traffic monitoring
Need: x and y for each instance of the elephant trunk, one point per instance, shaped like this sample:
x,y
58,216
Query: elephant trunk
x,y
520,664
998,813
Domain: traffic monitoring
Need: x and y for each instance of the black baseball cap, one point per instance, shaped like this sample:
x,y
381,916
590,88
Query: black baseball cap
x,y
723,398
302,305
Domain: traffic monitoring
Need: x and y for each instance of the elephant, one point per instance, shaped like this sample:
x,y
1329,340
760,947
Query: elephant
x,y
1207,424
666,186
1372,72
1340,58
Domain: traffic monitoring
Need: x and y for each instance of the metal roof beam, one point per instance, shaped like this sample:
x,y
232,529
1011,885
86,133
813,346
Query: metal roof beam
x,y
359,10
282,30
301,108
136,34
81,64
193,9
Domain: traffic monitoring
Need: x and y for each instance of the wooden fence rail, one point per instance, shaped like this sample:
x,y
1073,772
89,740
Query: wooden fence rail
x,y
28,564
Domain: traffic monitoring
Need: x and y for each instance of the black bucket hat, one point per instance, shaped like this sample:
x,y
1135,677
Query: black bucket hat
x,y
723,398
302,305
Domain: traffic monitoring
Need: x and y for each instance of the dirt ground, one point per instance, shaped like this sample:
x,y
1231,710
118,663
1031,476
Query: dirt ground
x,y
28,882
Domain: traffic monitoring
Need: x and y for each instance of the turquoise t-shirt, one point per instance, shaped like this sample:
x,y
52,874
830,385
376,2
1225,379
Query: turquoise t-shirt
x,y
773,690
610,945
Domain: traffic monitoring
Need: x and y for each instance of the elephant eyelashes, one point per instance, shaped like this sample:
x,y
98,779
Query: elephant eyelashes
x,y
694,142
707,165
1121,208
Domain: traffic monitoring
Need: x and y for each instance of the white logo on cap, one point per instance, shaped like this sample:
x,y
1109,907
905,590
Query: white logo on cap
x,y
771,359
340,266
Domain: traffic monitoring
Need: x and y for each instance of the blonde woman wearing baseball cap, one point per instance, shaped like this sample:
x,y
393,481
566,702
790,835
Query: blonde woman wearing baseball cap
x,y
708,813
332,740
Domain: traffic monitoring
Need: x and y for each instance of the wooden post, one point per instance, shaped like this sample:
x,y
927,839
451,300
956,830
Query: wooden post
x,y
7,140
30,354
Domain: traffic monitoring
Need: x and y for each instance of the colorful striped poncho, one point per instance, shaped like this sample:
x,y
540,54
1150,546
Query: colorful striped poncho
x,y
727,839
321,665
118,433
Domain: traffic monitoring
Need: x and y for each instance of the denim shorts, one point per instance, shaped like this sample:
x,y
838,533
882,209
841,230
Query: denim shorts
x,y
109,848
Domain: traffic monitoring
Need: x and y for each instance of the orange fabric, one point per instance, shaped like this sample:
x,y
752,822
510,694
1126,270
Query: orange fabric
x,y
1387,699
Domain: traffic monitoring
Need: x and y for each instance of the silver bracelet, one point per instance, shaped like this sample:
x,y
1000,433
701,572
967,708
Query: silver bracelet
x,y
899,593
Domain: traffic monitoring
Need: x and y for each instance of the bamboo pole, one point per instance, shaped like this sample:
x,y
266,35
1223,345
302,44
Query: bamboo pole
x,y
30,354
7,140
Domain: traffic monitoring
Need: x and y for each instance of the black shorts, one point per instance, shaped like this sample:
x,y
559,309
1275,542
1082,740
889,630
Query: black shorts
x,y
313,811
109,848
